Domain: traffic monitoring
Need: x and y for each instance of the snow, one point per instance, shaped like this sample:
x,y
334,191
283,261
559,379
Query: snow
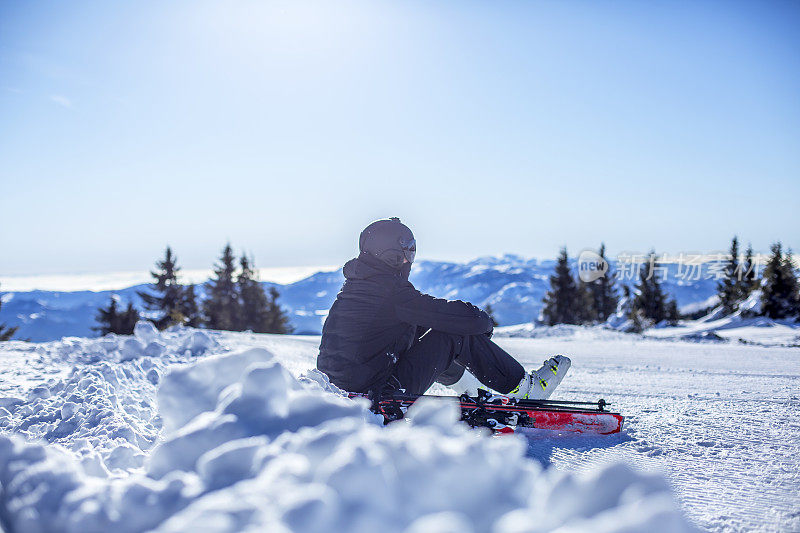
x,y
713,328
694,307
756,330
102,407
235,431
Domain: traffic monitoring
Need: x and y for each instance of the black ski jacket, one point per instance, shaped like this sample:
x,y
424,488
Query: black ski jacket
x,y
374,321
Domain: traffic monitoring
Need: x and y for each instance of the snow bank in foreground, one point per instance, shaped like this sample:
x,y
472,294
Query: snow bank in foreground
x,y
103,411
247,446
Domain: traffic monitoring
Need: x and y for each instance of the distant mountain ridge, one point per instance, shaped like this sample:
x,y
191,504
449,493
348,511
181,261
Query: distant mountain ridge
x,y
513,285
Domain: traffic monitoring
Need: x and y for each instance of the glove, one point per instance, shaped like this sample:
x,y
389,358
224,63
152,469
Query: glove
x,y
480,312
490,321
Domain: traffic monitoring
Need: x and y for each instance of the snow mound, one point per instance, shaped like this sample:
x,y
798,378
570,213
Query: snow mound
x,y
103,413
186,392
175,343
265,401
247,446
104,409
738,327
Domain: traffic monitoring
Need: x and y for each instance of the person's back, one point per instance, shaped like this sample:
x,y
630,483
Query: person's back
x,y
362,335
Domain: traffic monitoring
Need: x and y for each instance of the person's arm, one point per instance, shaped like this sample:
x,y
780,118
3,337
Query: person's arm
x,y
450,316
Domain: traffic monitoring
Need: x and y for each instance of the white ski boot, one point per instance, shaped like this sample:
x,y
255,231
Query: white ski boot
x,y
540,384
467,384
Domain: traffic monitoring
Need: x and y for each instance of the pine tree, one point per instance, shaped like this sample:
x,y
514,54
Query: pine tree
x,y
729,289
562,300
6,332
490,311
603,293
189,308
277,319
221,308
650,301
779,296
793,284
254,315
749,278
627,300
108,318
128,320
672,315
585,312
169,297
111,320
629,310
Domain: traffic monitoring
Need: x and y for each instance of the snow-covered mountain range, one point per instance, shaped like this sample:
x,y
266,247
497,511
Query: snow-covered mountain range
x,y
514,286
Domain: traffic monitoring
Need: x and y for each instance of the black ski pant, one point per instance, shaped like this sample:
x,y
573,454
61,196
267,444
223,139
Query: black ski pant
x,y
442,357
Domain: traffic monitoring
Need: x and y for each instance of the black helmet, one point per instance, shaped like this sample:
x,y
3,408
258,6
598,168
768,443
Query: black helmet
x,y
389,240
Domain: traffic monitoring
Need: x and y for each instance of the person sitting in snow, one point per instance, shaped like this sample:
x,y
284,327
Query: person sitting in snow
x,y
383,334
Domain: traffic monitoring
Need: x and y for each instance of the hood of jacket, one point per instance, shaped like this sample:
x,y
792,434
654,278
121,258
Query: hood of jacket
x,y
365,267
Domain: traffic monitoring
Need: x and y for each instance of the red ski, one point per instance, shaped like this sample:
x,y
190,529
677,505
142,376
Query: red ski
x,y
503,414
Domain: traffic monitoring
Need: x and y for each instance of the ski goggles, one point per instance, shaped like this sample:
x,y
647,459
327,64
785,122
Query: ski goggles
x,y
409,249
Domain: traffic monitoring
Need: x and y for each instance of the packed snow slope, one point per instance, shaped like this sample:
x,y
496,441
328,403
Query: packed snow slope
x,y
759,330
513,285
194,430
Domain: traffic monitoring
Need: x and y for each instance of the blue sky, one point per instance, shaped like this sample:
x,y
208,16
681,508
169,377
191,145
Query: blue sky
x,y
488,127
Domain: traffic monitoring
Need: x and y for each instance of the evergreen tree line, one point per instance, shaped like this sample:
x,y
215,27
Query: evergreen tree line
x,y
111,320
647,304
779,285
572,301
235,300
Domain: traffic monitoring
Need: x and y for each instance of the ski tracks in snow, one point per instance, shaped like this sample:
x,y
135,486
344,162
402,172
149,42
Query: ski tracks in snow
x,y
720,420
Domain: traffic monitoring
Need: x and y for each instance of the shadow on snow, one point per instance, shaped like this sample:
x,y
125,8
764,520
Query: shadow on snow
x,y
542,444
